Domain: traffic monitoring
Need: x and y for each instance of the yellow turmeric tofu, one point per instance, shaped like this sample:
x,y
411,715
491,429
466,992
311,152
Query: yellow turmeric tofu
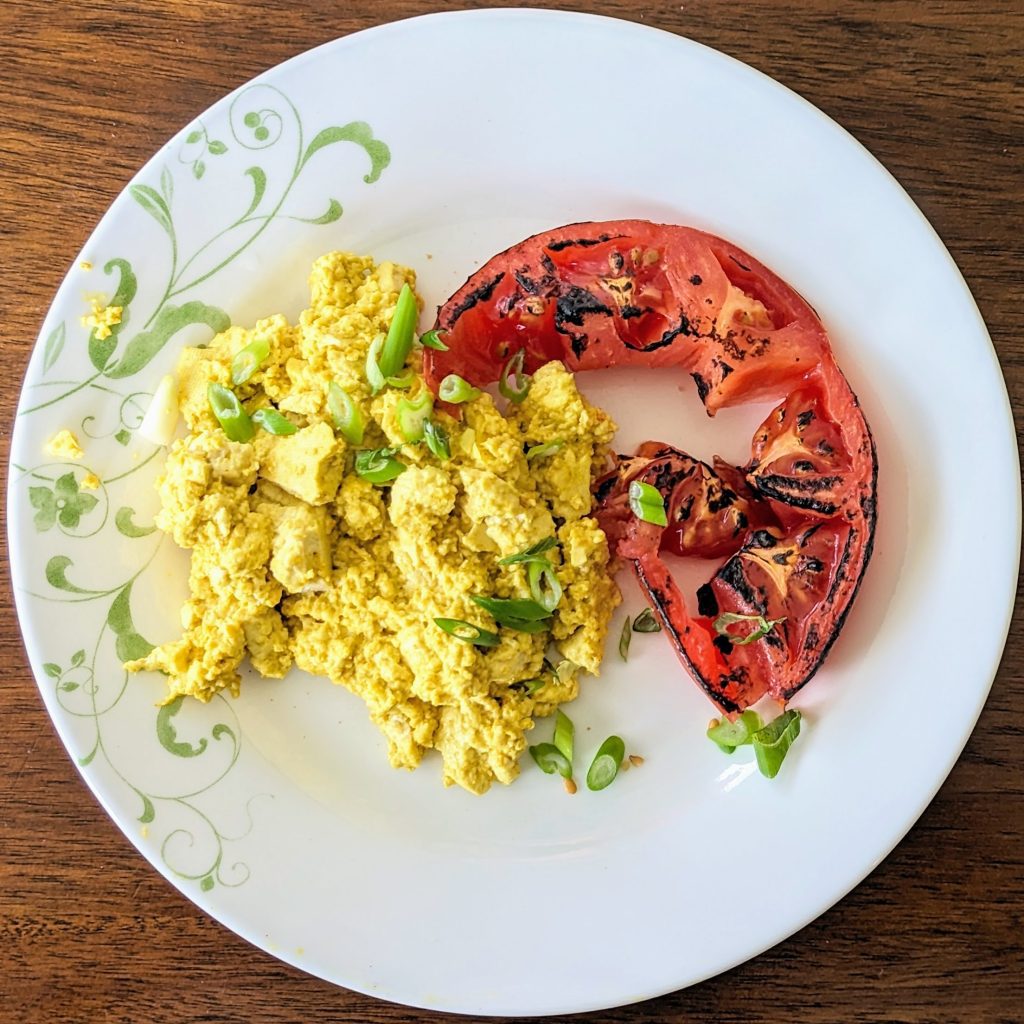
x,y
302,556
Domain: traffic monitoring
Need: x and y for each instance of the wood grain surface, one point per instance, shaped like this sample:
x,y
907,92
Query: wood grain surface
x,y
90,90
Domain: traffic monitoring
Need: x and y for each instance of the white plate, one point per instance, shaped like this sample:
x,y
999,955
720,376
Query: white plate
x,y
277,813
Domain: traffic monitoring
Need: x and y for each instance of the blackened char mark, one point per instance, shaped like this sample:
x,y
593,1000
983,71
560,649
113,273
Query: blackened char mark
x,y
731,574
526,282
703,387
707,603
804,419
762,539
628,312
685,509
725,500
666,477
781,489
572,306
568,243
844,561
481,294
738,264
605,487
696,279
681,328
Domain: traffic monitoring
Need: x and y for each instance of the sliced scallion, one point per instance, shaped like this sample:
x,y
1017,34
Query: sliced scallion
x,y
234,420
348,420
605,765
551,760
273,422
532,553
647,503
379,465
432,339
437,440
762,627
730,735
645,622
374,375
403,381
462,630
564,733
513,383
401,333
456,389
248,360
540,451
412,415
544,585
624,637
515,609
772,743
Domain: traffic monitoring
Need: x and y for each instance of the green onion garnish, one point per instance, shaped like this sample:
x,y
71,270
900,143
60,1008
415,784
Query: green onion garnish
x,y
437,440
234,420
348,420
455,389
516,609
531,554
647,503
540,451
564,733
513,383
772,743
432,339
606,763
645,622
273,422
624,637
412,415
730,735
249,359
374,374
401,333
532,685
762,627
544,585
550,760
462,630
379,465
403,381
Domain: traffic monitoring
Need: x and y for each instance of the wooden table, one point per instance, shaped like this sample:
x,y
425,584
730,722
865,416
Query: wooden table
x,y
90,90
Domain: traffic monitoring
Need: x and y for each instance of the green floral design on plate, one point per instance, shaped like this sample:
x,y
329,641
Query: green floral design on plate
x,y
88,680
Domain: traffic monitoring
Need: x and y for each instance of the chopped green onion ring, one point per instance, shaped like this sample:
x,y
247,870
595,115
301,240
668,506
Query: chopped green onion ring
x,y
645,622
234,420
437,440
248,360
466,631
647,503
412,415
532,553
544,585
379,465
551,760
514,384
730,735
624,637
432,339
273,422
403,381
374,375
762,627
455,389
516,609
401,333
540,451
348,420
605,765
564,733
772,743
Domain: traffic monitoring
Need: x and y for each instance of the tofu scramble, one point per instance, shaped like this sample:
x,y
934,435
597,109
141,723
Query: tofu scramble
x,y
299,559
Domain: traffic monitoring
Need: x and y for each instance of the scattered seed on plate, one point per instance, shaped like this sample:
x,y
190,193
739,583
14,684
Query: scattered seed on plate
x,y
570,786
